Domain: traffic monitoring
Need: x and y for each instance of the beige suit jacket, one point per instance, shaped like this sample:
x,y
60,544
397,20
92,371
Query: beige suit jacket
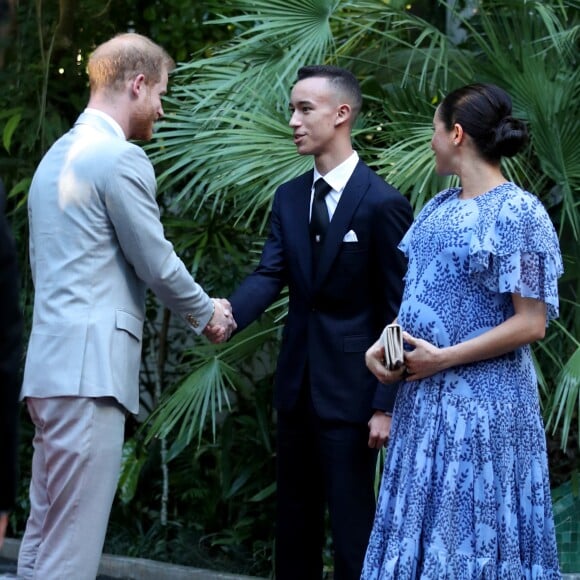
x,y
96,244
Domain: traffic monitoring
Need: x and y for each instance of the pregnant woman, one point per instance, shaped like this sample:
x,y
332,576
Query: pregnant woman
x,y
465,492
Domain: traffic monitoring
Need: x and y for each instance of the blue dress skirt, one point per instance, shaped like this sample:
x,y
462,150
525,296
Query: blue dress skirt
x,y
465,491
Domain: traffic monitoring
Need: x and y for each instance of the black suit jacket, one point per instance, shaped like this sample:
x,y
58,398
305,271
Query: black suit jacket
x,y
10,361
337,314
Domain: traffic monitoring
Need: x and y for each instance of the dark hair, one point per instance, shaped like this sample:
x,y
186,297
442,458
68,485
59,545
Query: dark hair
x,y
485,113
343,80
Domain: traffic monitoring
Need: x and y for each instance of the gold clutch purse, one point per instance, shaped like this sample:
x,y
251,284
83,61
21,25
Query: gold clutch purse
x,y
393,342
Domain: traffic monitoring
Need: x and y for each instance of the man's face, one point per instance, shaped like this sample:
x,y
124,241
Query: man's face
x,y
314,108
148,109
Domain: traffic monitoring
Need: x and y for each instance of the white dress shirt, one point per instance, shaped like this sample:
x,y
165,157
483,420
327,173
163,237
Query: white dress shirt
x,y
337,178
108,119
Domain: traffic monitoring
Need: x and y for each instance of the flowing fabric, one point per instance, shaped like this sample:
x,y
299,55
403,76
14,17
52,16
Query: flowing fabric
x,y
465,491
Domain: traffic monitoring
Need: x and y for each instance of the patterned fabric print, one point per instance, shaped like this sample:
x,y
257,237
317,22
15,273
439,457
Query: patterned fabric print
x,y
465,491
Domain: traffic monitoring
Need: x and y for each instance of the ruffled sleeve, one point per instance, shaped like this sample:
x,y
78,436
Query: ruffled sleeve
x,y
514,247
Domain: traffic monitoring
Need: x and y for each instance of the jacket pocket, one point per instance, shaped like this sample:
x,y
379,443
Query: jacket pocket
x,y
130,323
353,247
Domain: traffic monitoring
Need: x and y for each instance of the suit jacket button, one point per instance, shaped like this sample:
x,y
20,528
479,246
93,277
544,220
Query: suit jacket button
x,y
192,320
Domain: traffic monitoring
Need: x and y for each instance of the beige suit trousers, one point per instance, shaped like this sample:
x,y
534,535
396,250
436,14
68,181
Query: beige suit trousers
x,y
75,468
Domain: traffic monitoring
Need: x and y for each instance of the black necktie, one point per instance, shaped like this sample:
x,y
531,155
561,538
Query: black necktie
x,y
319,220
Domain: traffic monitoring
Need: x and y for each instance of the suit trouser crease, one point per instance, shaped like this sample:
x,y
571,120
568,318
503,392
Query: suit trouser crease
x,y
75,469
322,462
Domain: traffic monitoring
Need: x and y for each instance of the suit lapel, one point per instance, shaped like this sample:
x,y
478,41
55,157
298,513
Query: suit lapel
x,y
300,219
349,201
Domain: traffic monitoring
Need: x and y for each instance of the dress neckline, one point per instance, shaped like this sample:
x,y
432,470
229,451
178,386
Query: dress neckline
x,y
491,191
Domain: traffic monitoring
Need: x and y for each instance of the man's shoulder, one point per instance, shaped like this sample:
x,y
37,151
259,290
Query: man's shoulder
x,y
300,182
305,177
96,155
376,182
103,134
104,147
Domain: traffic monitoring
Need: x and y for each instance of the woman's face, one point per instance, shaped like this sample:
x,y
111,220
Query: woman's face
x,y
443,146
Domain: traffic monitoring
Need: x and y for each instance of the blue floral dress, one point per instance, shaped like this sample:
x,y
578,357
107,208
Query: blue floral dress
x,y
465,491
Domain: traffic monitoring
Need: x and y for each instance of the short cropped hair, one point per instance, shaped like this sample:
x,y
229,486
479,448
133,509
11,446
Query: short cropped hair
x,y
343,80
124,57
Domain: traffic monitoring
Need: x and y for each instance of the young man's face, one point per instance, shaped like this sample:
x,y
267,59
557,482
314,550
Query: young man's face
x,y
314,108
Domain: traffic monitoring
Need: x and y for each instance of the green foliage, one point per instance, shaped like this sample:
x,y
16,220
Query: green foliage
x,y
221,501
207,389
566,401
223,148
225,143
178,25
133,463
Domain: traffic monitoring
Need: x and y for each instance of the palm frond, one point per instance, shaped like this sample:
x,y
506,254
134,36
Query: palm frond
x,y
206,391
397,46
566,402
225,144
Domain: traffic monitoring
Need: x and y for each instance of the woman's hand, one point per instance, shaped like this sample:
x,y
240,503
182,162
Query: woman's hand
x,y
527,325
375,361
424,360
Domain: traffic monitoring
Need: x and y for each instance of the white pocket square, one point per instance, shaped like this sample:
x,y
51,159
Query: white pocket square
x,y
350,237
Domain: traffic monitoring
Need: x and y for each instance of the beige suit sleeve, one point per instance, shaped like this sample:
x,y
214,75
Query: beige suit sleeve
x,y
133,210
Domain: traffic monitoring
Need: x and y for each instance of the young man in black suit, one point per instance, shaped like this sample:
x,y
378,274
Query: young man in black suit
x,y
337,253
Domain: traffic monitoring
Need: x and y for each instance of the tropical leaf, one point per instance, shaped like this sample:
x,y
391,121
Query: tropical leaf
x,y
566,403
225,144
9,129
131,465
205,392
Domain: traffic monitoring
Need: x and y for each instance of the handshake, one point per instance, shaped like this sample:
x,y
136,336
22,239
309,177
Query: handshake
x,y
222,323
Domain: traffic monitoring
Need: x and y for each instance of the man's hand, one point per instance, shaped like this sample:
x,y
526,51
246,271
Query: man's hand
x,y
375,361
222,323
3,525
379,429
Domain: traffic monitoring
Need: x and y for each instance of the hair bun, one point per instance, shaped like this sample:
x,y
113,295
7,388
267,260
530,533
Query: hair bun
x,y
485,113
511,135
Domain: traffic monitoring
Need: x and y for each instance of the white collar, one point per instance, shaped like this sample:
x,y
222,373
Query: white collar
x,y
338,177
108,119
